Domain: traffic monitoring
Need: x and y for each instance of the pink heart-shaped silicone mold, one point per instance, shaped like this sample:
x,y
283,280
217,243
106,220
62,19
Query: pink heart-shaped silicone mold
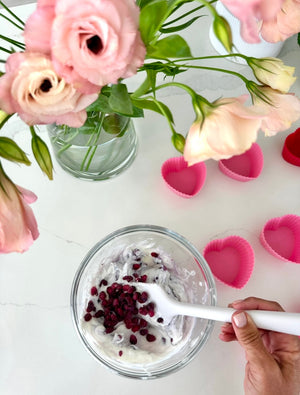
x,y
281,237
231,260
244,167
182,179
291,148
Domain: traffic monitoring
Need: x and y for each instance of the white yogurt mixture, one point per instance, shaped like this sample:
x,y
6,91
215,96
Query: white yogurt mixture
x,y
117,345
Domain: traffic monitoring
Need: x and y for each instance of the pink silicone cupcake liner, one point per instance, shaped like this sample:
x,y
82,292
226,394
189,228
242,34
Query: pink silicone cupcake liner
x,y
182,179
281,237
291,148
231,260
244,167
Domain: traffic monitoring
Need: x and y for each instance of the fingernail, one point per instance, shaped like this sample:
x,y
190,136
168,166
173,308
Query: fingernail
x,y
240,320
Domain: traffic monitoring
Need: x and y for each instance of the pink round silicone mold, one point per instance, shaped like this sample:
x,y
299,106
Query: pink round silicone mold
x,y
184,180
231,260
291,148
281,237
244,167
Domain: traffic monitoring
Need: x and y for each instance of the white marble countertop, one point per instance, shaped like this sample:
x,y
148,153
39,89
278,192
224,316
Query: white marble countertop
x,y
40,353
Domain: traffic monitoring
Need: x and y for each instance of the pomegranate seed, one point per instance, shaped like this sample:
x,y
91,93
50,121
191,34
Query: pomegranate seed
x,y
135,310
135,328
120,353
99,313
90,306
109,290
94,291
102,295
135,275
154,254
128,324
136,296
143,323
144,331
143,311
106,303
150,338
143,297
103,282
133,339
127,288
160,320
128,278
143,278
87,317
109,329
136,266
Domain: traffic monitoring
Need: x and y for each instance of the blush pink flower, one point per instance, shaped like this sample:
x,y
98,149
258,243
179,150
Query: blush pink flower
x,y
228,129
92,43
31,88
250,12
18,227
285,110
285,24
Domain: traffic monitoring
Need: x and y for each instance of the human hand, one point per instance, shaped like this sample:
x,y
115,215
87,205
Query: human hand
x,y
273,358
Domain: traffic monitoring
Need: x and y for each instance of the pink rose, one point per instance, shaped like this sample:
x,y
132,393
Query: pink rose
x,y
285,24
90,42
31,88
18,227
285,110
250,12
228,129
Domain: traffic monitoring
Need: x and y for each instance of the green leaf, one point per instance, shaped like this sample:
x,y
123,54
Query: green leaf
x,y
119,100
173,46
115,124
168,69
148,104
42,155
137,112
152,17
179,27
101,104
143,3
11,151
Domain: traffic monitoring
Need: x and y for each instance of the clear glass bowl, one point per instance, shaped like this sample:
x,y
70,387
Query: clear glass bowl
x,y
187,264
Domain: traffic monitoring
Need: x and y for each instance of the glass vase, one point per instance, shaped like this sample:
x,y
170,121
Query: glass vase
x,y
100,149
262,49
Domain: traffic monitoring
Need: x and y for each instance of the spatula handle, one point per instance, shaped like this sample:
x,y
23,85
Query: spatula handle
x,y
278,321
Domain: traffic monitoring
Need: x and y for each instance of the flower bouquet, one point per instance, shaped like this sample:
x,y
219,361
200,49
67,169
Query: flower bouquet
x,y
78,55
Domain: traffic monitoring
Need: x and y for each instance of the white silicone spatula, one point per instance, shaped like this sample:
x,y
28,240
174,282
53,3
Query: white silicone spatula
x,y
168,307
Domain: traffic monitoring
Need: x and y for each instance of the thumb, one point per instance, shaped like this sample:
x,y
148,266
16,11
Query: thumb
x,y
249,338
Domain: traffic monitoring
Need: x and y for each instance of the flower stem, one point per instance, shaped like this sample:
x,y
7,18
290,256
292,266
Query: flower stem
x,y
13,42
92,149
12,13
211,57
12,22
5,50
219,70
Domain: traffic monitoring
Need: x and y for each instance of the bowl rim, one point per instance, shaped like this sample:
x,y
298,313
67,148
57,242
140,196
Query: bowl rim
x,y
204,267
